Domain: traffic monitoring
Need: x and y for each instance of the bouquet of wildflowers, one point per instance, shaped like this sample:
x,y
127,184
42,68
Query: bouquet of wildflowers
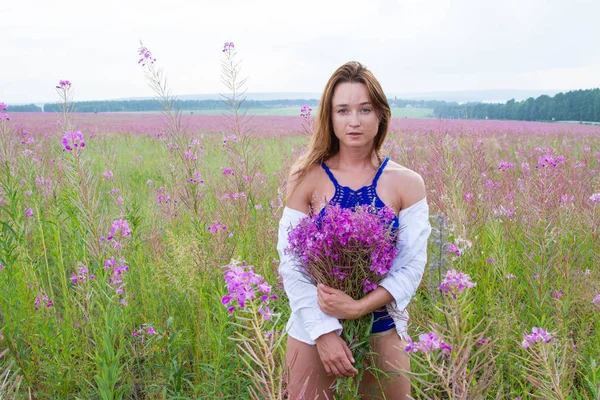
x,y
350,250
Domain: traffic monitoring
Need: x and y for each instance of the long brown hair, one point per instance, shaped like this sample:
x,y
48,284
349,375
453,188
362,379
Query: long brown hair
x,y
323,143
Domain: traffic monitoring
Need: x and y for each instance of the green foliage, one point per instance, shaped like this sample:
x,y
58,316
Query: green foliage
x,y
577,105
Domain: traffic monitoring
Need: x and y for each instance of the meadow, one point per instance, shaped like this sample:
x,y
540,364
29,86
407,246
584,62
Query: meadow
x,y
112,256
120,235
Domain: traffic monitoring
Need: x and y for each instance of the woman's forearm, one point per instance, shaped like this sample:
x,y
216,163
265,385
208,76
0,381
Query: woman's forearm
x,y
374,300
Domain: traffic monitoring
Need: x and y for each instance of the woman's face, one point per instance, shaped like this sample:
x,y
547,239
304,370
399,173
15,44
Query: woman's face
x,y
355,122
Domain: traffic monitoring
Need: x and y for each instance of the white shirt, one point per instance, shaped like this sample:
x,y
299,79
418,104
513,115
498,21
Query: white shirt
x,y
307,322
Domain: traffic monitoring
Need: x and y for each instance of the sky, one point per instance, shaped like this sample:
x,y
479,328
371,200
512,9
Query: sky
x,y
285,46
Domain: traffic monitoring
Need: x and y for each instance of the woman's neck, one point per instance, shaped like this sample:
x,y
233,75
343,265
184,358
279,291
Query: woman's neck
x,y
354,159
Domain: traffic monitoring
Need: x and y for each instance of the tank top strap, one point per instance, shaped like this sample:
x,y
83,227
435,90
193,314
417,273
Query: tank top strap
x,y
379,171
335,182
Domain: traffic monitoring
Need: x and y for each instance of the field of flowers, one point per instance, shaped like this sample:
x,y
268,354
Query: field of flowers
x,y
138,256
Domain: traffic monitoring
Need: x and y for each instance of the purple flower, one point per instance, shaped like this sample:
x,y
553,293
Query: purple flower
x,y
227,171
368,286
108,174
64,84
3,106
28,213
566,198
266,313
119,226
305,111
558,294
595,198
538,335
216,227
244,285
151,330
455,282
510,276
596,301
228,47
505,165
452,248
146,56
73,140
427,342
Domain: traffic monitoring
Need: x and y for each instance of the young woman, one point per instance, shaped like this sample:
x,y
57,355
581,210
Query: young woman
x,y
343,164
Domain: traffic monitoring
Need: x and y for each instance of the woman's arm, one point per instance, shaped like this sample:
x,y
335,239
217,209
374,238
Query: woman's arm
x,y
301,293
407,268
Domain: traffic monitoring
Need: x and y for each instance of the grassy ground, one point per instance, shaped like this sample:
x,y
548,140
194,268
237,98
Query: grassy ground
x,y
83,344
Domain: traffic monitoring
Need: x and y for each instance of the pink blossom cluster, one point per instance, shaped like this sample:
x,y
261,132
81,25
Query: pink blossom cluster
x,y
143,330
537,335
82,275
505,166
108,174
347,249
119,226
72,140
162,196
244,285
595,198
596,301
64,84
453,249
233,196
305,111
146,56
456,282
3,114
42,298
549,160
427,342
196,179
216,227
228,47
117,269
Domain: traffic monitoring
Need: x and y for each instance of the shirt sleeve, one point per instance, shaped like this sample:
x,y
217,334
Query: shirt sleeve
x,y
301,293
409,265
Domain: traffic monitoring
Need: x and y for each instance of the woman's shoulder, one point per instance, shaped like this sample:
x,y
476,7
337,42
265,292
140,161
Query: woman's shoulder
x,y
408,185
300,187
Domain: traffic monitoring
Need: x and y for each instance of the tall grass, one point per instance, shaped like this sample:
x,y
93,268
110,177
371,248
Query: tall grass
x,y
511,210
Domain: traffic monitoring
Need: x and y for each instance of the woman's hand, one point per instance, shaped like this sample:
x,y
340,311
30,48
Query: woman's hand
x,y
338,304
335,355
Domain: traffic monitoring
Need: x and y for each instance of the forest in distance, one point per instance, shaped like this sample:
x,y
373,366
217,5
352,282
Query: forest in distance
x,y
578,105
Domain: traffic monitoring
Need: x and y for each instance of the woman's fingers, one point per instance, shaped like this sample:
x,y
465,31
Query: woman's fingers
x,y
349,354
334,370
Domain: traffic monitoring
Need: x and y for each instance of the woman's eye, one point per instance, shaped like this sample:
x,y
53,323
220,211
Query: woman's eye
x,y
342,111
366,110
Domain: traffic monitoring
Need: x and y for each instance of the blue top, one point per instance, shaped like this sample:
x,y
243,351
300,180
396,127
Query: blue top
x,y
346,197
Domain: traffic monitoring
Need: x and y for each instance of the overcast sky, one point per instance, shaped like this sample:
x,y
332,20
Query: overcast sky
x,y
294,46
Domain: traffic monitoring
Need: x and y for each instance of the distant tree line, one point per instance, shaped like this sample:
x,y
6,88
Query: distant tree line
x,y
24,108
577,105
184,105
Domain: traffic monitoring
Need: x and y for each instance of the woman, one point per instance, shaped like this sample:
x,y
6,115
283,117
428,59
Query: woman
x,y
343,165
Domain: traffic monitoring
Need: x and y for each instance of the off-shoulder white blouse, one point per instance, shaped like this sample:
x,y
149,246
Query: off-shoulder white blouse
x,y
307,322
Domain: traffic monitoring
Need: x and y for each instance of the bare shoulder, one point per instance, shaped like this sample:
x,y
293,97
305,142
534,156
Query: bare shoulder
x,y
408,185
299,189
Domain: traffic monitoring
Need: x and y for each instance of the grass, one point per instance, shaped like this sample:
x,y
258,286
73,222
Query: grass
x,y
82,346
